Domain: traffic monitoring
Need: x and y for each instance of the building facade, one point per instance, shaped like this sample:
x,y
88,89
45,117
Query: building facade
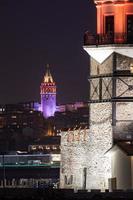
x,y
111,90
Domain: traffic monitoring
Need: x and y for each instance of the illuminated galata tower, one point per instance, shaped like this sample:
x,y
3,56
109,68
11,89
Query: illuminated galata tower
x,y
48,94
110,97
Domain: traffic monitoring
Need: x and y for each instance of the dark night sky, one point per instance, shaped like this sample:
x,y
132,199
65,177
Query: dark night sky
x,y
36,32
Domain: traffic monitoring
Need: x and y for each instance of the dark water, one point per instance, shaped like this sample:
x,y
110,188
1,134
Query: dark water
x,y
63,194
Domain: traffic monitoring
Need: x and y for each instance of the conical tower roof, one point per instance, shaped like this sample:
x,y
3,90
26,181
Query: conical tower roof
x,y
48,77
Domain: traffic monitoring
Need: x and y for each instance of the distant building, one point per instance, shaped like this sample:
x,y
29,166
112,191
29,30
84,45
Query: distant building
x,y
18,116
48,95
47,145
71,117
48,104
19,122
70,106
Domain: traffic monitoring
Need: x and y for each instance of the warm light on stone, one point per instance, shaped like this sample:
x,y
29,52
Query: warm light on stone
x,y
131,67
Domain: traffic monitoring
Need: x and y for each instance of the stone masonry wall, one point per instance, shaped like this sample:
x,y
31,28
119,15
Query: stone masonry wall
x,y
73,158
84,162
100,141
123,62
104,68
124,111
97,69
124,88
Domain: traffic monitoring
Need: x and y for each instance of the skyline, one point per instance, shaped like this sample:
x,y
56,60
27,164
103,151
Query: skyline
x,y
34,34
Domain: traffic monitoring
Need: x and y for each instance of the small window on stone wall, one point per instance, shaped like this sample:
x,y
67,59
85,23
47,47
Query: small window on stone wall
x,y
65,177
71,179
98,70
68,180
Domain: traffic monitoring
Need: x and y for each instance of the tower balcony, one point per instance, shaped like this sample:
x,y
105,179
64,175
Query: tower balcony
x,y
106,39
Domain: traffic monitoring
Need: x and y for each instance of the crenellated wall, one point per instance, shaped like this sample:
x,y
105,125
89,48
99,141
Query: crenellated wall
x,y
74,146
83,161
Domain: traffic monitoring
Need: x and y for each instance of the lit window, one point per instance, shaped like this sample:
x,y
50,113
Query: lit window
x,y
33,147
40,147
13,117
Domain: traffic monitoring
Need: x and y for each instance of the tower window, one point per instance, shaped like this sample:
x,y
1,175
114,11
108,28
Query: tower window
x,y
98,70
130,28
109,25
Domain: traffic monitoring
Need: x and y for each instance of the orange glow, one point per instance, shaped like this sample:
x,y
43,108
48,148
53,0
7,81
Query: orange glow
x,y
50,131
119,10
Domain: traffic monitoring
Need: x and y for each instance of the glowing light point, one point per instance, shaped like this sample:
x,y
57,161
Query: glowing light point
x,y
131,68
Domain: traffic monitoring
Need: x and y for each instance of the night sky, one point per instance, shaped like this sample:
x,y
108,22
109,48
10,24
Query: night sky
x,y
36,32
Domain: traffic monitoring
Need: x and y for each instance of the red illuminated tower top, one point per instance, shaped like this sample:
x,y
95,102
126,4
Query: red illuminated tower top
x,y
48,85
114,22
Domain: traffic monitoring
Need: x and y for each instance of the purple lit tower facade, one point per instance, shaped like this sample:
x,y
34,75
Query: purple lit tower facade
x,y
48,95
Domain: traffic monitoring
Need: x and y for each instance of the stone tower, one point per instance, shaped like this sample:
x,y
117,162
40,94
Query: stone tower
x,y
111,86
110,97
48,95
